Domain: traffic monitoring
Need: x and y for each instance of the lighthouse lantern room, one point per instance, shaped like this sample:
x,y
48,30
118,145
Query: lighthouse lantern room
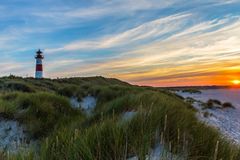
x,y
39,67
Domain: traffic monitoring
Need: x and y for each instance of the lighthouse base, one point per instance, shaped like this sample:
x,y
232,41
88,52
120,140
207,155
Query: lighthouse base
x,y
39,74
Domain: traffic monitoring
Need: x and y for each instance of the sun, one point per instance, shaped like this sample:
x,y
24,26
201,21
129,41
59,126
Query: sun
x,y
236,82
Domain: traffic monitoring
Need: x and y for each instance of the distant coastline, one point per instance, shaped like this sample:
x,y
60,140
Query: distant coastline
x,y
197,87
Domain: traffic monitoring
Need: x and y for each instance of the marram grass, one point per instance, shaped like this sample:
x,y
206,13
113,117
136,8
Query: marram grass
x,y
65,133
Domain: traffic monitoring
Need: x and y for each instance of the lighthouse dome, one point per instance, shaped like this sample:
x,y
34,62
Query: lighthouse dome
x,y
39,54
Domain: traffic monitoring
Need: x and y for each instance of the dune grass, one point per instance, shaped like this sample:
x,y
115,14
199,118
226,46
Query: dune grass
x,y
158,115
162,118
39,112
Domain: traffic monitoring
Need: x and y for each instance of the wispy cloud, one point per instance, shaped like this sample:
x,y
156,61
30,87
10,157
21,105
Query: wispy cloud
x,y
212,46
103,8
144,32
12,67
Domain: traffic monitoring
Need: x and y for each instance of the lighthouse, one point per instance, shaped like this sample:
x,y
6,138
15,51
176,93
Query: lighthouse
x,y
39,67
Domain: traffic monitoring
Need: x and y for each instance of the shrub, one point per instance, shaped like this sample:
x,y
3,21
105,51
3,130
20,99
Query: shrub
x,y
192,90
211,103
215,101
190,100
227,105
206,114
68,91
208,105
19,86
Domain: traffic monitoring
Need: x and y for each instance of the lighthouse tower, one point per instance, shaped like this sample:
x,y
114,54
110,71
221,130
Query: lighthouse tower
x,y
39,67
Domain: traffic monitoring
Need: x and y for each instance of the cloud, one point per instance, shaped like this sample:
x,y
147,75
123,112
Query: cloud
x,y
141,41
204,49
102,8
223,2
65,16
13,67
149,30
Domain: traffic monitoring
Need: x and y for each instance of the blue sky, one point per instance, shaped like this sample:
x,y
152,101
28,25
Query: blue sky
x,y
147,42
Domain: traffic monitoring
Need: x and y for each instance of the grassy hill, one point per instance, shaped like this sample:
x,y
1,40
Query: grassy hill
x,y
44,108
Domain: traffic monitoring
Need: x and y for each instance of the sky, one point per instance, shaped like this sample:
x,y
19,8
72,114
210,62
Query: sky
x,y
143,42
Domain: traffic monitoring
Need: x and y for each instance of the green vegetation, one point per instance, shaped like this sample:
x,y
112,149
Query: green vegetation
x,y
214,103
206,114
67,133
192,90
40,112
190,100
227,105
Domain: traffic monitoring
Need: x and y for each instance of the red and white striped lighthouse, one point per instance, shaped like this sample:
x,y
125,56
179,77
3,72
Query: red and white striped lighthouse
x,y
39,66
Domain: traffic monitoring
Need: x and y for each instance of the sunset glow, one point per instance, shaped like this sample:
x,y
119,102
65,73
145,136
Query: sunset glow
x,y
236,82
